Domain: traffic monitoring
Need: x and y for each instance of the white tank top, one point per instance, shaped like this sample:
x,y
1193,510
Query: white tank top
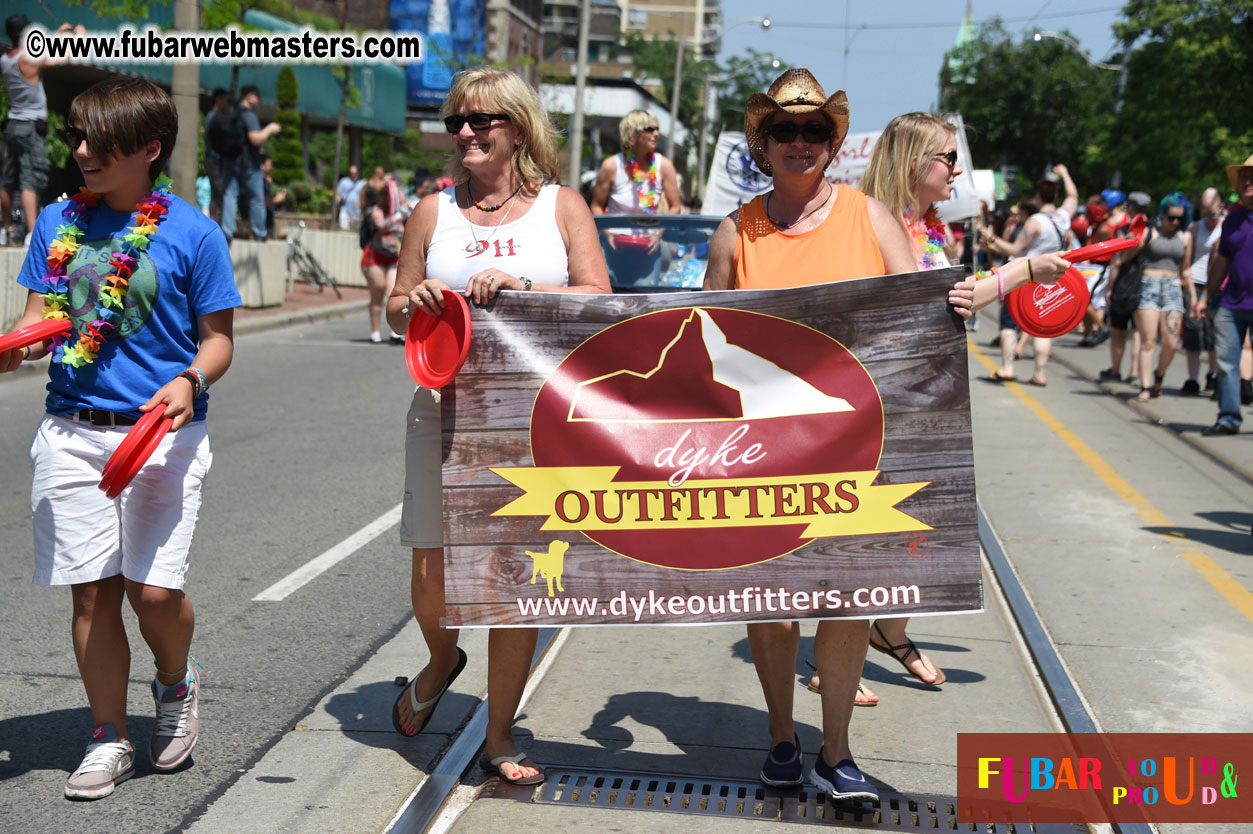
x,y
1203,240
1052,234
624,196
529,247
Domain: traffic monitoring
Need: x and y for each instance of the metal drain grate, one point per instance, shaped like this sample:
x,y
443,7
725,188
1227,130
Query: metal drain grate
x,y
750,800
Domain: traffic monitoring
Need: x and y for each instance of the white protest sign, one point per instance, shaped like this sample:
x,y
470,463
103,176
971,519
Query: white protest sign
x,y
964,202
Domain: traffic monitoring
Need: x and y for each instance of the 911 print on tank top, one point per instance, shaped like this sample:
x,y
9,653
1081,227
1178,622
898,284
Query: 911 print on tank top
x,y
494,249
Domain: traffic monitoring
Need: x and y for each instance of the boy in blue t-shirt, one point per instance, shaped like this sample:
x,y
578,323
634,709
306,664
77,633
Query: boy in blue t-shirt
x,y
145,281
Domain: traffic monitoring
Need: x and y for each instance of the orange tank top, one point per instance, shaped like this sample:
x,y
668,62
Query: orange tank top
x,y
844,246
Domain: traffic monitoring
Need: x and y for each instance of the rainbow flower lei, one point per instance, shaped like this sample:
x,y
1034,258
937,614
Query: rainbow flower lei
x,y
81,346
647,181
928,238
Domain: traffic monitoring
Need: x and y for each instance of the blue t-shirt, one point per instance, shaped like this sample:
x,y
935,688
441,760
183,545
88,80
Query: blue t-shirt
x,y
186,272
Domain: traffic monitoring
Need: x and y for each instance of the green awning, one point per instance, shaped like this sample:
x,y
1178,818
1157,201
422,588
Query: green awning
x,y
382,86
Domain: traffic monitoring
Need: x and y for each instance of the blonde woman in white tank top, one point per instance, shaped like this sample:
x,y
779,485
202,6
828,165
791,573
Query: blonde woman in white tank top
x,y
501,227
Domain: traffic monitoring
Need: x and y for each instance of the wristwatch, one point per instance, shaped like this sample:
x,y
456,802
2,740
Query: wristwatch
x,y
526,284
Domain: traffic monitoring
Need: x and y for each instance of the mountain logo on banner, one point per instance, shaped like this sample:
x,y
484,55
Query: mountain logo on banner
x,y
708,438
700,376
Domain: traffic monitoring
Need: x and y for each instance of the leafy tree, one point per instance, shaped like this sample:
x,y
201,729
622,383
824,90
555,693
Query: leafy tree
x,y
1031,104
287,150
655,59
1189,85
739,78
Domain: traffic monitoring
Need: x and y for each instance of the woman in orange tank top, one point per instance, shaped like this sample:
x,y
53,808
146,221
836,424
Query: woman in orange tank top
x,y
807,231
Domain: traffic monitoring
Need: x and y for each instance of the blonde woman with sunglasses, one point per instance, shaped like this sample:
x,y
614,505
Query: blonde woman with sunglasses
x,y
637,179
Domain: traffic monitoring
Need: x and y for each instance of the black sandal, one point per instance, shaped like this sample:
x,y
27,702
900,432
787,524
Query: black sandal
x,y
909,647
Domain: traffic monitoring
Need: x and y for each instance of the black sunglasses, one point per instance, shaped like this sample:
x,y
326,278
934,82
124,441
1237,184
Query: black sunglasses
x,y
478,121
813,133
949,158
74,137
650,129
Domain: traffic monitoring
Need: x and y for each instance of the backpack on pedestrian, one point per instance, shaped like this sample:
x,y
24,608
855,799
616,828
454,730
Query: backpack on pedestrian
x,y
226,132
1124,296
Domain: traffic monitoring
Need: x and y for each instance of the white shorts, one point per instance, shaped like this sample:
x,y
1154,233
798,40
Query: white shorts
x,y
1095,277
81,535
422,514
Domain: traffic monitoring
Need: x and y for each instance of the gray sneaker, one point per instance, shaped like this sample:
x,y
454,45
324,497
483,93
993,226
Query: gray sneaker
x,y
107,762
178,723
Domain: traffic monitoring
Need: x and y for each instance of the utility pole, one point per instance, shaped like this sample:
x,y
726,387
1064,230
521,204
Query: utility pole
x,y
1115,180
674,98
575,137
185,90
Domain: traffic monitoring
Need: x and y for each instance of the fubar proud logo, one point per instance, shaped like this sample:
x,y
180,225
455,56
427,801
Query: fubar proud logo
x,y
708,438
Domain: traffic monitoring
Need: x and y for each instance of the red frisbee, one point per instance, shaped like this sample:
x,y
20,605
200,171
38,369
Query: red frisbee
x,y
34,334
436,346
1097,250
1050,310
134,450
639,242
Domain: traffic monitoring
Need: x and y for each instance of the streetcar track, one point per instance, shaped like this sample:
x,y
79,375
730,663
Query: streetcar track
x,y
438,801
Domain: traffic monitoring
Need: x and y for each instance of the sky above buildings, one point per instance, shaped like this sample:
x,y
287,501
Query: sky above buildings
x,y
889,71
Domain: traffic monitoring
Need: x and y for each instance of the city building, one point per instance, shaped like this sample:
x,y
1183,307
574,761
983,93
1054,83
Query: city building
x,y
696,21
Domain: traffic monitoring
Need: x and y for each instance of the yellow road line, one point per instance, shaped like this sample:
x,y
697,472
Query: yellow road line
x,y
1223,582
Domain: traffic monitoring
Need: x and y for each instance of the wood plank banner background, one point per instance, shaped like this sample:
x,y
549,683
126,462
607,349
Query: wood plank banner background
x,y
713,457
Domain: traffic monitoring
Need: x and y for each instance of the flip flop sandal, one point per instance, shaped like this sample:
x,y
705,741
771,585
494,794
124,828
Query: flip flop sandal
x,y
996,376
517,760
861,690
909,647
411,692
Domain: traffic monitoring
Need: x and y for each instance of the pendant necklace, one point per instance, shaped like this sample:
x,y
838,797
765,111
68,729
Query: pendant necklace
x,y
779,224
480,245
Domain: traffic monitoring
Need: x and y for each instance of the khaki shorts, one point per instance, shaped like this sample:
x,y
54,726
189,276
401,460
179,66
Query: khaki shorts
x,y
26,168
422,513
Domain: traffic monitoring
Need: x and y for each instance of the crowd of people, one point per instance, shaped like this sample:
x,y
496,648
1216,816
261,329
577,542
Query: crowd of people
x,y
502,182
1158,291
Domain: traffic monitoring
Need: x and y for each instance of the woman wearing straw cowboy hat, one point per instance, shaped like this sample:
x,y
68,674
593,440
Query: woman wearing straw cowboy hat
x,y
807,231
1231,301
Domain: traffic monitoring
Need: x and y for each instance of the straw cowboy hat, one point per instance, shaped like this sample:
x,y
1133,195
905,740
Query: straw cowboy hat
x,y
1233,171
795,91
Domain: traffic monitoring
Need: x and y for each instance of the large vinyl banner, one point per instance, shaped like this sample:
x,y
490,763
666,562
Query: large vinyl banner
x,y
712,457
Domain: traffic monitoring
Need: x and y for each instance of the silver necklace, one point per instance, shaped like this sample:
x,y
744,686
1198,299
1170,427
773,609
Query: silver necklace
x,y
779,224
480,245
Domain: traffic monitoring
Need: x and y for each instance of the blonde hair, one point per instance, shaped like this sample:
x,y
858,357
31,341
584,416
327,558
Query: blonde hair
x,y
631,125
502,91
895,170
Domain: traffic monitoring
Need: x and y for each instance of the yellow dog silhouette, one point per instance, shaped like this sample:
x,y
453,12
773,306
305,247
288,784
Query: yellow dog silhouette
x,y
549,565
